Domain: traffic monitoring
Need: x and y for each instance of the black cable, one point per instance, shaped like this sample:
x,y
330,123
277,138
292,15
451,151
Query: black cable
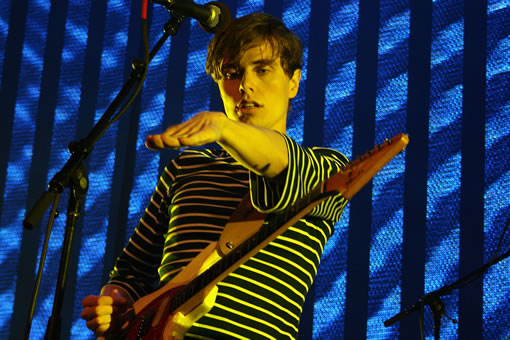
x,y
144,75
138,88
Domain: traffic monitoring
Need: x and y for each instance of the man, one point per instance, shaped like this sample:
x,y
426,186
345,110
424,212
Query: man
x,y
256,63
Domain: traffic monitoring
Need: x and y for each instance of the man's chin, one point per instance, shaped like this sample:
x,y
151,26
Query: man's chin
x,y
245,119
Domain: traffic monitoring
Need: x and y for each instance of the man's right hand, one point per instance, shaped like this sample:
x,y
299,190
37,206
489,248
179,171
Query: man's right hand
x,y
103,312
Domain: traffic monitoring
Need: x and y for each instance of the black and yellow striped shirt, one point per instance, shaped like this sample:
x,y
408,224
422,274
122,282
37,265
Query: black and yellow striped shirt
x,y
193,200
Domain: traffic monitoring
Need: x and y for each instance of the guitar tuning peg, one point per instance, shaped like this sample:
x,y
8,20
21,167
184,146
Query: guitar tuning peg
x,y
388,141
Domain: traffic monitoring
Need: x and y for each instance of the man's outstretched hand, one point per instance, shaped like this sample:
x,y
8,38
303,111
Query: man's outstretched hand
x,y
203,128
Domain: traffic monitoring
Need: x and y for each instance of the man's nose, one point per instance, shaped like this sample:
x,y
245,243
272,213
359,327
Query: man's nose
x,y
245,84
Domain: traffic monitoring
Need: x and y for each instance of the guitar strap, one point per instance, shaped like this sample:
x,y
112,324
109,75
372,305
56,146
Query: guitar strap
x,y
244,221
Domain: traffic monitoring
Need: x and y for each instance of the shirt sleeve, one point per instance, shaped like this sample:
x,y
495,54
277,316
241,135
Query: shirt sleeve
x,y
306,169
136,269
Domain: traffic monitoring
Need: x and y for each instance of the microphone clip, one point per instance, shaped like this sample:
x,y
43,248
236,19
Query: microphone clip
x,y
213,17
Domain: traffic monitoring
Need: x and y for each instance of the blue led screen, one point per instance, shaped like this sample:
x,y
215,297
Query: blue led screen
x,y
437,70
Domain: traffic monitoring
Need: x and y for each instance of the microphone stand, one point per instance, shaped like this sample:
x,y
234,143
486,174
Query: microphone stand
x,y
433,299
73,175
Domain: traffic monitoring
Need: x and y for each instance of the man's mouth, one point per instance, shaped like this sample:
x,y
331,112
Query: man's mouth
x,y
246,107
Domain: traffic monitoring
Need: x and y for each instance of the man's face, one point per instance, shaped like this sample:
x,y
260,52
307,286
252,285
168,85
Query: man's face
x,y
257,91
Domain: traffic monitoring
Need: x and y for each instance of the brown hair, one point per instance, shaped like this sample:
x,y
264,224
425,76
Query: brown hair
x,y
249,29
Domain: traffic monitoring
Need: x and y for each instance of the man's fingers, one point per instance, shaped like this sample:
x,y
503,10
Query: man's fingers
x,y
94,300
89,313
170,141
101,323
199,138
158,142
154,142
101,330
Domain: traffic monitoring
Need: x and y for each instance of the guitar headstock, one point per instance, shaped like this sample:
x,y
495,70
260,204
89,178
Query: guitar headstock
x,y
360,171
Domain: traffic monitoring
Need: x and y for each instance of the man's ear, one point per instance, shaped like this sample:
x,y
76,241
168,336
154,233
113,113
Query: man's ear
x,y
294,83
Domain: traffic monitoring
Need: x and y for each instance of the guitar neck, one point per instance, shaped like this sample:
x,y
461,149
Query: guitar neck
x,y
359,172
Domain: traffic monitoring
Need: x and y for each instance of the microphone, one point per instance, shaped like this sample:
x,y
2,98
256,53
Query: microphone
x,y
213,17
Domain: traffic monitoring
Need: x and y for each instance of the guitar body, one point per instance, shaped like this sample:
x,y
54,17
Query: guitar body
x,y
151,316
156,322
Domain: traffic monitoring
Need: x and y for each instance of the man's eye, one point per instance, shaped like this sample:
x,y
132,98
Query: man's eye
x,y
262,70
231,75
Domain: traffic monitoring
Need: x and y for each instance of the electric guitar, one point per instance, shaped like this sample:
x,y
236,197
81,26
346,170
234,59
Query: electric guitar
x,y
171,310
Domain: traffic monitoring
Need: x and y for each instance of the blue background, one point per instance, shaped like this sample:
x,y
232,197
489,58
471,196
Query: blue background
x,y
438,70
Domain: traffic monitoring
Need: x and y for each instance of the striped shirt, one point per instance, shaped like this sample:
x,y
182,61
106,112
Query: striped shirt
x,y
193,200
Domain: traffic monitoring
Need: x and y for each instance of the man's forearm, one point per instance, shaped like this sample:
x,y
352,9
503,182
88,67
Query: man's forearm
x,y
261,150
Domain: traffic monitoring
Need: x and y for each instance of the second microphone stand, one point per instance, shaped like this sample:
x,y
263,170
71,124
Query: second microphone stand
x,y
433,299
